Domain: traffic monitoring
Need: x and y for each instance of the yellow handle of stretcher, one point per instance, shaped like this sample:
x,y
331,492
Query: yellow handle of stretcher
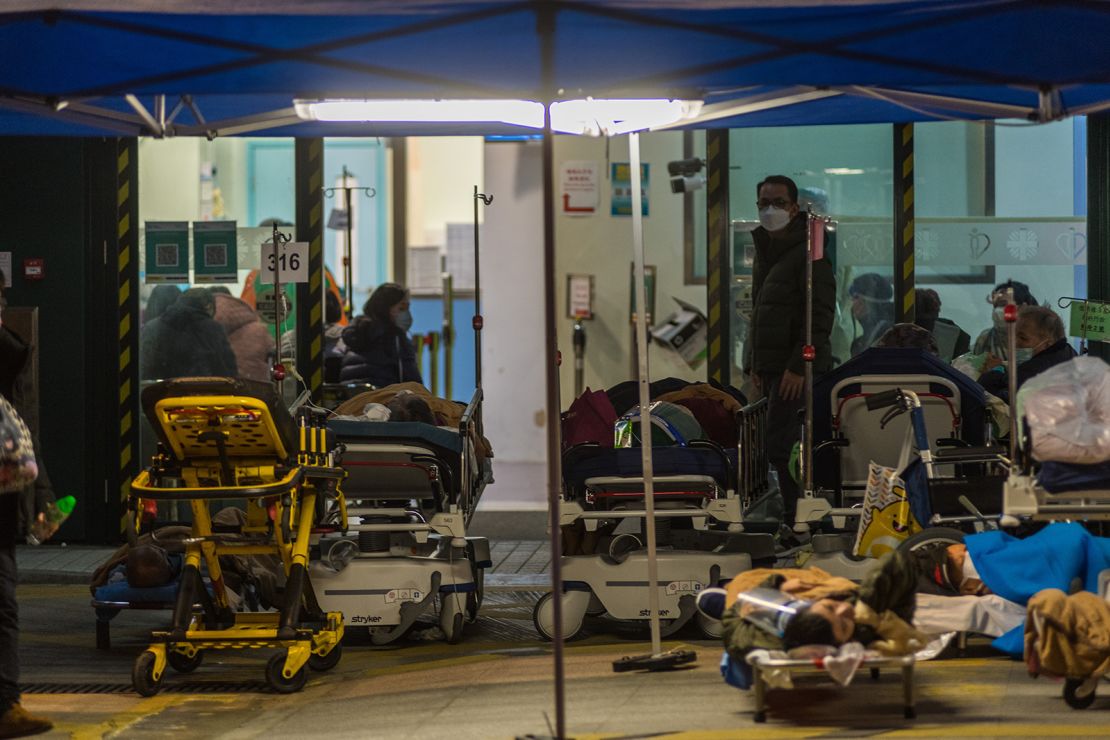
x,y
141,487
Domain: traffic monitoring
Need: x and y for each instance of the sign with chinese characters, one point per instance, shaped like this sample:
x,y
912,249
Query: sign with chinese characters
x,y
215,252
167,251
621,181
580,296
579,188
1090,320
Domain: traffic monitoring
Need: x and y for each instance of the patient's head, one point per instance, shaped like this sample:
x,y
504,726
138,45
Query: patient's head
x,y
824,622
908,335
407,406
148,567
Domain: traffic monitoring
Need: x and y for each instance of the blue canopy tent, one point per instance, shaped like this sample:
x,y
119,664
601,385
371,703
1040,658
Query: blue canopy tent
x,y
67,67
211,68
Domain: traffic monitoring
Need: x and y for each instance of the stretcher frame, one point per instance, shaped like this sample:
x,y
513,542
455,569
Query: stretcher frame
x,y
282,489
904,663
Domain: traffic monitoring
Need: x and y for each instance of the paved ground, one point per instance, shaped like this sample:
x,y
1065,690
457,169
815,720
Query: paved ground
x,y
497,684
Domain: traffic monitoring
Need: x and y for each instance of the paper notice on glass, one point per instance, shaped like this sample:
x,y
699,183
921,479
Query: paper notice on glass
x,y
579,189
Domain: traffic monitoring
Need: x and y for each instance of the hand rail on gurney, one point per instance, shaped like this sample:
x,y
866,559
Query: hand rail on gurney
x,y
760,663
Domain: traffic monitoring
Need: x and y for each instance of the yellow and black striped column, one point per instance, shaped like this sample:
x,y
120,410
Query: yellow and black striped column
x,y
903,223
126,264
310,228
718,267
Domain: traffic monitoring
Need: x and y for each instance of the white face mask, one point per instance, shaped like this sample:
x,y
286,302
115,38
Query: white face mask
x,y
774,219
1023,354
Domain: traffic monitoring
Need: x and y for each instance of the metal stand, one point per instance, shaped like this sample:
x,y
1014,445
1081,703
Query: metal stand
x,y
448,328
348,280
1010,313
277,372
478,322
579,342
657,660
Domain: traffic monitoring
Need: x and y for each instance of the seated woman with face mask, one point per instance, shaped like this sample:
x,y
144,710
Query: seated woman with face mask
x,y
379,350
1041,344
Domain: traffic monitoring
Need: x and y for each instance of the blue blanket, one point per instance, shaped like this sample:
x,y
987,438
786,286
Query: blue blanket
x,y
1052,558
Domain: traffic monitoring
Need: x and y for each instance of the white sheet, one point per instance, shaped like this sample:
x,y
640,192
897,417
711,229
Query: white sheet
x,y
986,615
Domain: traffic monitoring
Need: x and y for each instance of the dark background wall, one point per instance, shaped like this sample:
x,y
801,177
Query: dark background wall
x,y
46,198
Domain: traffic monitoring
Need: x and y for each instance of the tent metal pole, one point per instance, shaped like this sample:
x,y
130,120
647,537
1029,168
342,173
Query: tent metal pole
x,y
545,30
645,390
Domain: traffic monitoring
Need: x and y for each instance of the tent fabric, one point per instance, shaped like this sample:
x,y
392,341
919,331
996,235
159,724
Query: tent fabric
x,y
865,61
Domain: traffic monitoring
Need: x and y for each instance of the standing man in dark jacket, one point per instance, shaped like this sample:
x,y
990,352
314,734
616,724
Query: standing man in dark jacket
x,y
778,322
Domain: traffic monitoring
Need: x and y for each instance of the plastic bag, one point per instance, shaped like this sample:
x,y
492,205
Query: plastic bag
x,y
971,364
887,519
18,468
1068,411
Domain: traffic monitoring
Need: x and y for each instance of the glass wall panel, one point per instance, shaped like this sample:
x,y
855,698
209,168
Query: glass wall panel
x,y
844,172
998,203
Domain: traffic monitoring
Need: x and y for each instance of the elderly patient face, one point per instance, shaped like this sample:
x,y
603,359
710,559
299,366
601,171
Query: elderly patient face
x,y
840,615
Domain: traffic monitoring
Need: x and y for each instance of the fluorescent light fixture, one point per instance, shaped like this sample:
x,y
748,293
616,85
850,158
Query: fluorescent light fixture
x,y
843,171
518,112
588,116
594,117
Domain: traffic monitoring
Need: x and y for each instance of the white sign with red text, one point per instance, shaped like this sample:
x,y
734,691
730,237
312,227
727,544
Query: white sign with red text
x,y
579,191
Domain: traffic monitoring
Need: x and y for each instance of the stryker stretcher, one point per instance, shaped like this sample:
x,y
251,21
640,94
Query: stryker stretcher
x,y
222,438
413,488
701,492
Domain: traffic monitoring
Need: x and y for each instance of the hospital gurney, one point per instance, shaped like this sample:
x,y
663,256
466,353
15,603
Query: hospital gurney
x,y
412,488
222,438
701,492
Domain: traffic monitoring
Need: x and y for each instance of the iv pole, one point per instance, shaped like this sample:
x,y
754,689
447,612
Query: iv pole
x,y
348,229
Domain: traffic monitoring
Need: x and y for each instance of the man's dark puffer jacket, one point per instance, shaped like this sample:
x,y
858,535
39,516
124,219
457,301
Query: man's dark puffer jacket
x,y
778,314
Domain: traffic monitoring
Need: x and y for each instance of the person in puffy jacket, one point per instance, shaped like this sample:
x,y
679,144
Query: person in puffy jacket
x,y
379,350
186,341
252,344
1042,342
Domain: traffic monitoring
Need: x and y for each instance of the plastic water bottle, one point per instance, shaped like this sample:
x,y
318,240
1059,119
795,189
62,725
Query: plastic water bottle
x,y
56,513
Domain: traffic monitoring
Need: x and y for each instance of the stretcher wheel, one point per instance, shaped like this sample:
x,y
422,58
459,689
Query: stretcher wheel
x,y
276,678
543,617
184,664
451,617
1072,697
759,717
909,713
709,626
321,663
142,675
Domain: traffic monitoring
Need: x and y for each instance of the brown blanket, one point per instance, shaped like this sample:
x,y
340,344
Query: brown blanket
x,y
1067,636
448,413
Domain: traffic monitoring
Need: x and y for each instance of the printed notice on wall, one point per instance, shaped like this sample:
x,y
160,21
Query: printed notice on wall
x,y
167,251
621,179
579,188
215,247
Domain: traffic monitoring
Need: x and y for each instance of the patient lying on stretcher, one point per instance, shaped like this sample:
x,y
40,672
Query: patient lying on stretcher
x,y
828,610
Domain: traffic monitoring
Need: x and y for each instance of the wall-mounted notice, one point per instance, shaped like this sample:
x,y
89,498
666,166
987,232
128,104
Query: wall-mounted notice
x,y
167,251
579,187
215,252
621,179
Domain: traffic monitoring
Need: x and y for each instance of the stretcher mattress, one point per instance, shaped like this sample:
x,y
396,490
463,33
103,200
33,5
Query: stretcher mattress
x,y
443,440
1058,477
592,462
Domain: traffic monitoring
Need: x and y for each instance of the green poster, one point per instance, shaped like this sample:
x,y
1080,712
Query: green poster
x,y
215,258
1091,320
167,251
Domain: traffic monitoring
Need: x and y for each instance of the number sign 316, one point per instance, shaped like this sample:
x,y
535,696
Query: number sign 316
x,y
291,262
